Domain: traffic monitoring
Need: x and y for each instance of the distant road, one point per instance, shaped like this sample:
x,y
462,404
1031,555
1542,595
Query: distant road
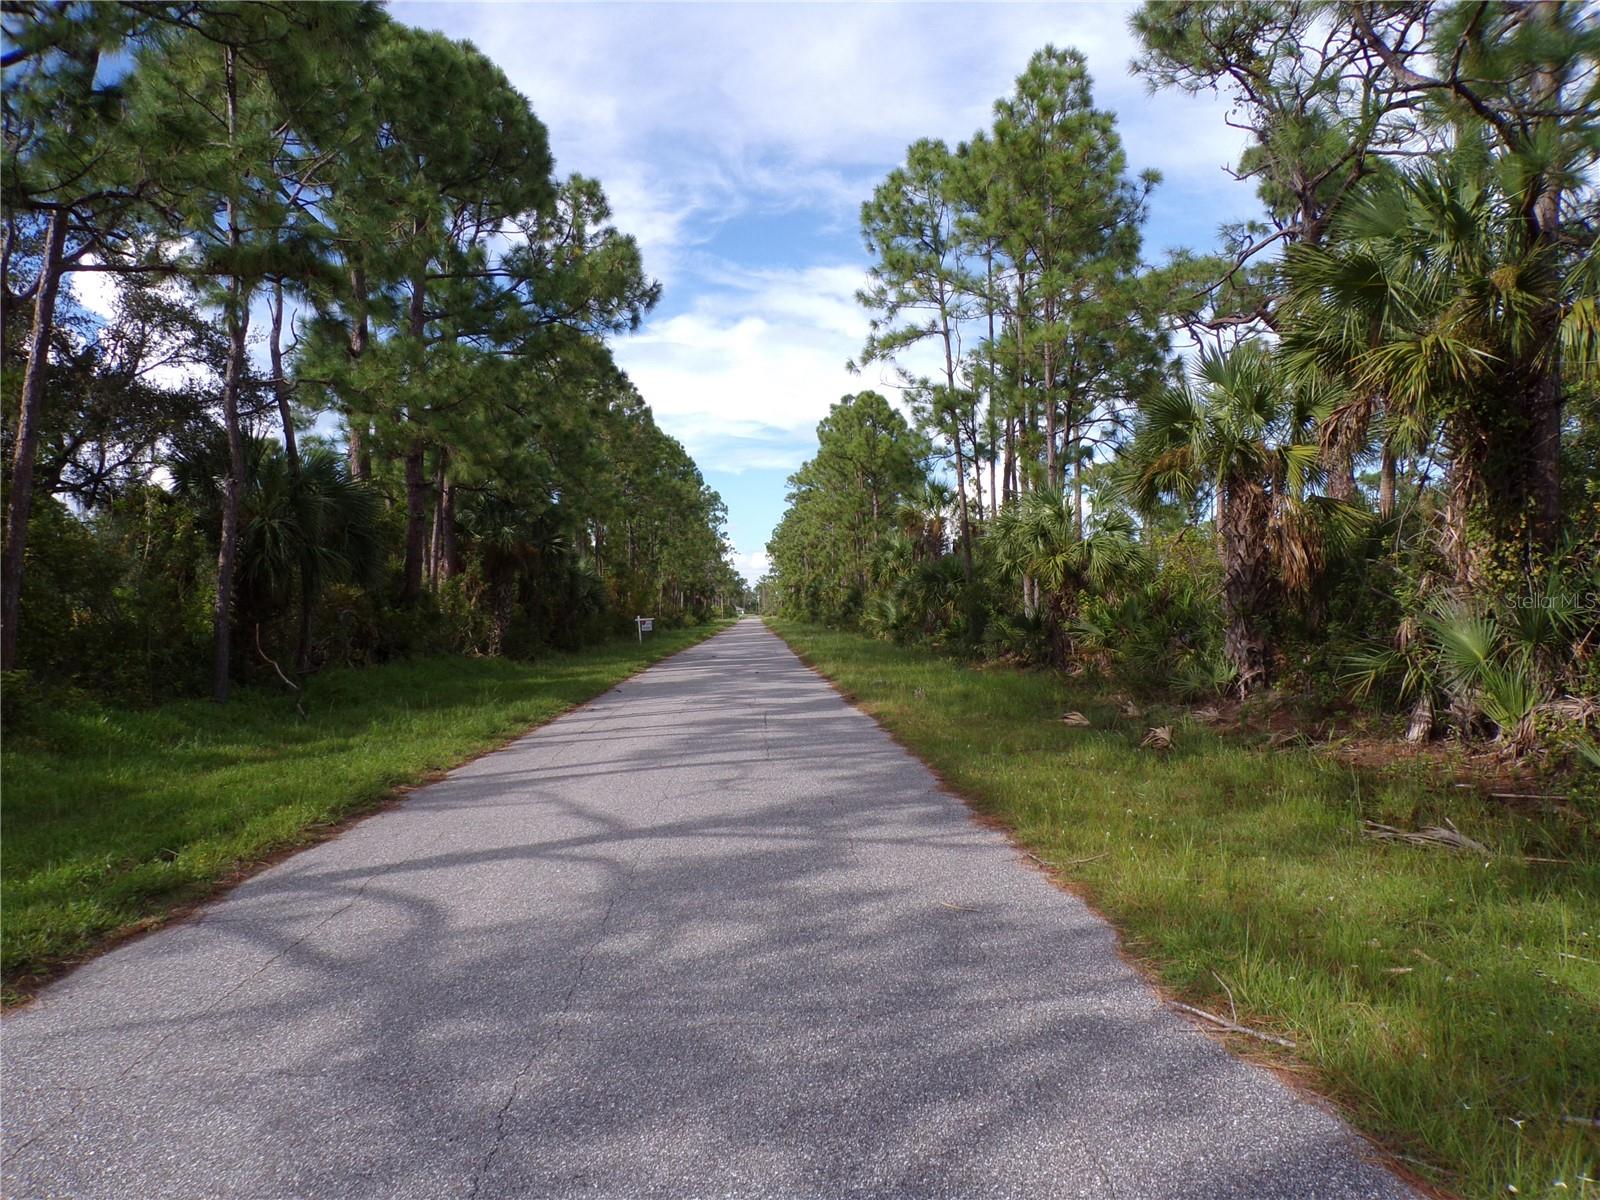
x,y
711,935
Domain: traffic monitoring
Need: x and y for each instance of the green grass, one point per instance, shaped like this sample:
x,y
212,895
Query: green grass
x,y
114,818
1449,1003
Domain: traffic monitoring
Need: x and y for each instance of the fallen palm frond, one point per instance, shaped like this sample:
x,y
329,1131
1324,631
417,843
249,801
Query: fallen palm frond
x,y
1420,727
1446,835
1159,738
1579,710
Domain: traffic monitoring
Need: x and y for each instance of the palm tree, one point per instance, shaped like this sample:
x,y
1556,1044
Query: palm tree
x,y
299,530
1236,428
1428,301
1037,537
924,517
515,543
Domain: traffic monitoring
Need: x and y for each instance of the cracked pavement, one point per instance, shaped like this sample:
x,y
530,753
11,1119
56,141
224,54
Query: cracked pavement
x,y
712,934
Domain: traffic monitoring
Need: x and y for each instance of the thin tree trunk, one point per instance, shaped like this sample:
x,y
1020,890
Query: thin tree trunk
x,y
20,506
1051,469
416,520
1009,474
238,331
447,527
961,500
359,458
1025,425
291,453
977,468
415,468
988,305
280,386
1546,412
955,433
436,535
1386,482
1070,429
302,637
1546,395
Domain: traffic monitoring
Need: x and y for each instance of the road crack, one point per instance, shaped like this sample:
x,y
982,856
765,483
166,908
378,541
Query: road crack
x,y
515,1091
245,981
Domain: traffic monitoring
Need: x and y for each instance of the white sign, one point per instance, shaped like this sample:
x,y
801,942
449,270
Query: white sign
x,y
646,625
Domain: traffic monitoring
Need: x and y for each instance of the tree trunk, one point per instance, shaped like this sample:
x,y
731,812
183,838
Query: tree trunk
x,y
1459,494
1025,425
955,434
1545,404
238,321
961,503
416,521
989,384
1246,581
1546,394
977,466
502,607
20,506
1050,468
1341,473
1386,482
280,386
436,533
448,560
359,458
291,453
1077,474
415,467
1008,474
302,638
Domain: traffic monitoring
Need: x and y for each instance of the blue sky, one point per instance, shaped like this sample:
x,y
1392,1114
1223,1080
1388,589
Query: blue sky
x,y
737,141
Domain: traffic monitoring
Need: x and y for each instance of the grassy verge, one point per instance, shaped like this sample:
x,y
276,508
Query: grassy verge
x,y
1450,1002
112,819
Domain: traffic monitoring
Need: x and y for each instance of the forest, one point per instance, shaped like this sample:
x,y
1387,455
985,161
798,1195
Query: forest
x,y
306,361
1348,458
1248,592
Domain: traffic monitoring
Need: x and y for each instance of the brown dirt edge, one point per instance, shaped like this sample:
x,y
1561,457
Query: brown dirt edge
x,y
1290,1071
23,991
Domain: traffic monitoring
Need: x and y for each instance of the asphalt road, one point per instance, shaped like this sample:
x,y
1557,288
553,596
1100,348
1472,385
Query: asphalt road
x,y
712,935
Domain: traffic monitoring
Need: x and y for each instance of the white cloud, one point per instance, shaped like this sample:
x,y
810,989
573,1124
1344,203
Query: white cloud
x,y
97,291
695,115
692,114
745,374
752,565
